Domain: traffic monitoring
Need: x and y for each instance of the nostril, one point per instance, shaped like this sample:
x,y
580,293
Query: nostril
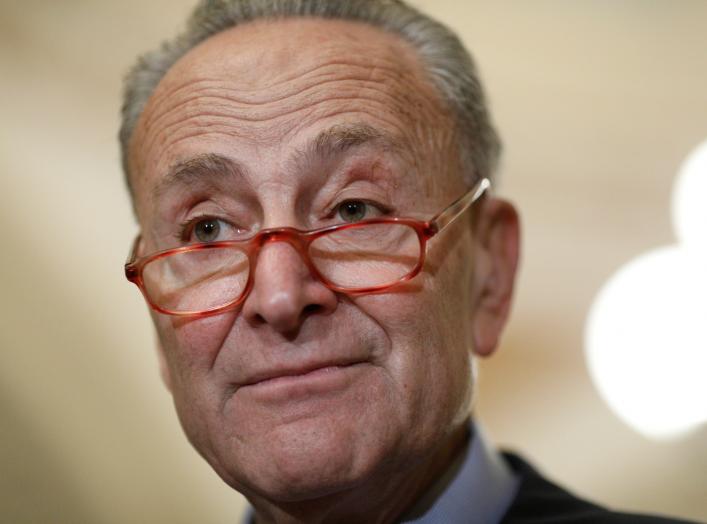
x,y
311,308
284,321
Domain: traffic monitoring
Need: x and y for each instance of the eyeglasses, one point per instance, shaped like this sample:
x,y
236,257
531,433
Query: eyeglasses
x,y
358,258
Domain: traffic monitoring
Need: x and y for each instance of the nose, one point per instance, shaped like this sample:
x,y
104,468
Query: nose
x,y
285,293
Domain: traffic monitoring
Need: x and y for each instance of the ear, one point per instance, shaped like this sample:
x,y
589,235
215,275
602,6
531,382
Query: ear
x,y
497,250
164,367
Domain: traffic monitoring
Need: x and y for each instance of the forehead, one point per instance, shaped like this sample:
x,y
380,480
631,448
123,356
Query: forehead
x,y
268,86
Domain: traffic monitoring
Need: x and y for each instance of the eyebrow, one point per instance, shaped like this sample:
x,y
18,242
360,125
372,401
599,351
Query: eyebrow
x,y
201,169
210,168
339,139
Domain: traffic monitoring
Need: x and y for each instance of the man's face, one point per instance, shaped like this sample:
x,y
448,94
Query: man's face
x,y
302,392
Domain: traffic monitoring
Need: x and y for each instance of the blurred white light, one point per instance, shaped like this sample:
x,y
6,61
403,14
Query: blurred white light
x,y
646,336
689,204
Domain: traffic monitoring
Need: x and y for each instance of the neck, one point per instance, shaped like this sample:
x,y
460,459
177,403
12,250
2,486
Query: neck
x,y
378,500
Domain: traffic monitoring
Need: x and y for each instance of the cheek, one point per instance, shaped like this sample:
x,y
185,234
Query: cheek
x,y
431,314
192,345
428,357
190,349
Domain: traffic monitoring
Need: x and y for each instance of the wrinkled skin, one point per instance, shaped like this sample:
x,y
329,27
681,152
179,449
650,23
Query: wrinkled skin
x,y
361,445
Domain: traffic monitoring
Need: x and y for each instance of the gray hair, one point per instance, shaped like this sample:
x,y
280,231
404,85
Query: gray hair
x,y
449,65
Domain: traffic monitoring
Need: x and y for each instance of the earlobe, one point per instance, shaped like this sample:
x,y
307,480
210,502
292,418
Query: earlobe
x,y
496,263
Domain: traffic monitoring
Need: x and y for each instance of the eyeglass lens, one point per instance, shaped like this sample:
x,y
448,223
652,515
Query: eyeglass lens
x,y
207,278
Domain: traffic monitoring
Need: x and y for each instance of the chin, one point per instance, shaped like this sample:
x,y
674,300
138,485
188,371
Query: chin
x,y
306,461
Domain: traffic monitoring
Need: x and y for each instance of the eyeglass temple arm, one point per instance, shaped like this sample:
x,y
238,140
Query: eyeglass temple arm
x,y
460,205
131,257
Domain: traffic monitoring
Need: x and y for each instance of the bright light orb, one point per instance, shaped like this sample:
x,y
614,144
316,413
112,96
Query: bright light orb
x,y
646,334
647,344
689,206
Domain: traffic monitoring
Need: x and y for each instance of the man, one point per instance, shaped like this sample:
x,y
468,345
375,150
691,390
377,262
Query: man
x,y
323,259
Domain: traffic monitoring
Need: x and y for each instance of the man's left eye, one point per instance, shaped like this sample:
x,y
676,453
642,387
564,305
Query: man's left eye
x,y
356,210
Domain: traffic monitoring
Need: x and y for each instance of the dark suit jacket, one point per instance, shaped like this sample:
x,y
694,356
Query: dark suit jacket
x,y
540,501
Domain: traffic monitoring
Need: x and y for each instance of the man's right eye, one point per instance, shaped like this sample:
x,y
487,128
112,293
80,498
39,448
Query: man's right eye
x,y
207,230
352,210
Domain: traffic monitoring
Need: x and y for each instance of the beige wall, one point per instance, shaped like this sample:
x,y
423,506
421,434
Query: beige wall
x,y
598,103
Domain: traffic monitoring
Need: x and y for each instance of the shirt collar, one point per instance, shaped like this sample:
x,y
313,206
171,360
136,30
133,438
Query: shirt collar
x,y
478,487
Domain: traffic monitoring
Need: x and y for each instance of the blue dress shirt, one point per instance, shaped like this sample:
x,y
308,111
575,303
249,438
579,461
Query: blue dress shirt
x,y
477,488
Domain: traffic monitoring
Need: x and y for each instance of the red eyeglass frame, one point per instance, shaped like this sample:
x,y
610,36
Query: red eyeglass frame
x,y
300,240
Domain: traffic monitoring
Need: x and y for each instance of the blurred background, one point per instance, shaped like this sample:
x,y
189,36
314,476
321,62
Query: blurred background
x,y
599,102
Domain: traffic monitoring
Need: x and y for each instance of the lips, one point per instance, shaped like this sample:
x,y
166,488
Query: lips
x,y
293,373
